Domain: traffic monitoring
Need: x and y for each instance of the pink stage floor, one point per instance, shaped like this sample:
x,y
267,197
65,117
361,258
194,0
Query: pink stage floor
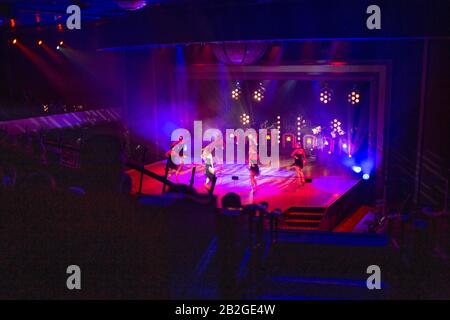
x,y
276,186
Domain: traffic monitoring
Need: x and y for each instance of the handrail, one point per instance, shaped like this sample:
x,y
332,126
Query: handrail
x,y
150,174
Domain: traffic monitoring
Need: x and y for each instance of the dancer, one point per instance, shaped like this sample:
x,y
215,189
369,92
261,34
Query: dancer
x,y
253,168
182,147
169,155
209,167
300,161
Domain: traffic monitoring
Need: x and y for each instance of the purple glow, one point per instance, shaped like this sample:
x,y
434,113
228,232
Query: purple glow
x,y
131,5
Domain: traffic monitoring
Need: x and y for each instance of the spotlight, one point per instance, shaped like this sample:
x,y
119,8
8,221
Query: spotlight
x,y
326,94
354,96
317,130
299,128
258,94
61,43
40,43
279,128
58,47
336,128
344,146
236,92
356,169
366,176
245,119
14,41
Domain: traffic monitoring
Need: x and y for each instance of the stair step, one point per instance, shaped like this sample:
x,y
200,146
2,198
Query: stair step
x,y
293,221
306,210
286,227
302,225
302,215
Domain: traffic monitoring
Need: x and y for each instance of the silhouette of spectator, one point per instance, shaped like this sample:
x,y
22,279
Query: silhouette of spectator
x,y
231,200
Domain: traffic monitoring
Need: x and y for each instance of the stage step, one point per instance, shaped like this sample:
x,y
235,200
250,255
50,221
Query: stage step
x,y
306,209
305,216
299,223
288,227
302,218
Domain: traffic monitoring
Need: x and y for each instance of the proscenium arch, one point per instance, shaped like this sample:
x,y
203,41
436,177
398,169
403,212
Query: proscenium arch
x,y
376,73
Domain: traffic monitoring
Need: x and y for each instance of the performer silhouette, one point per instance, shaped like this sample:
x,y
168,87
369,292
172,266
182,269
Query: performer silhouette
x,y
253,169
299,162
209,167
179,152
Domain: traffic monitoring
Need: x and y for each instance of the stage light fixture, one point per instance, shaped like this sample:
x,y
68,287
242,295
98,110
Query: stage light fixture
x,y
326,94
354,97
236,92
245,119
336,128
40,43
366,176
14,41
58,47
61,43
258,94
299,128
279,128
356,169
317,130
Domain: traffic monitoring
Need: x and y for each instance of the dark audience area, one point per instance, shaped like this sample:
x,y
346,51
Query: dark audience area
x,y
178,245
48,223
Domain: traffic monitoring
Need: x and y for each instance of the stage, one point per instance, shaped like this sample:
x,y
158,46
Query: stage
x,y
276,186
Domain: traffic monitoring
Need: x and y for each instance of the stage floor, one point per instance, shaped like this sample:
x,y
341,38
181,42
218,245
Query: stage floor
x,y
276,186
